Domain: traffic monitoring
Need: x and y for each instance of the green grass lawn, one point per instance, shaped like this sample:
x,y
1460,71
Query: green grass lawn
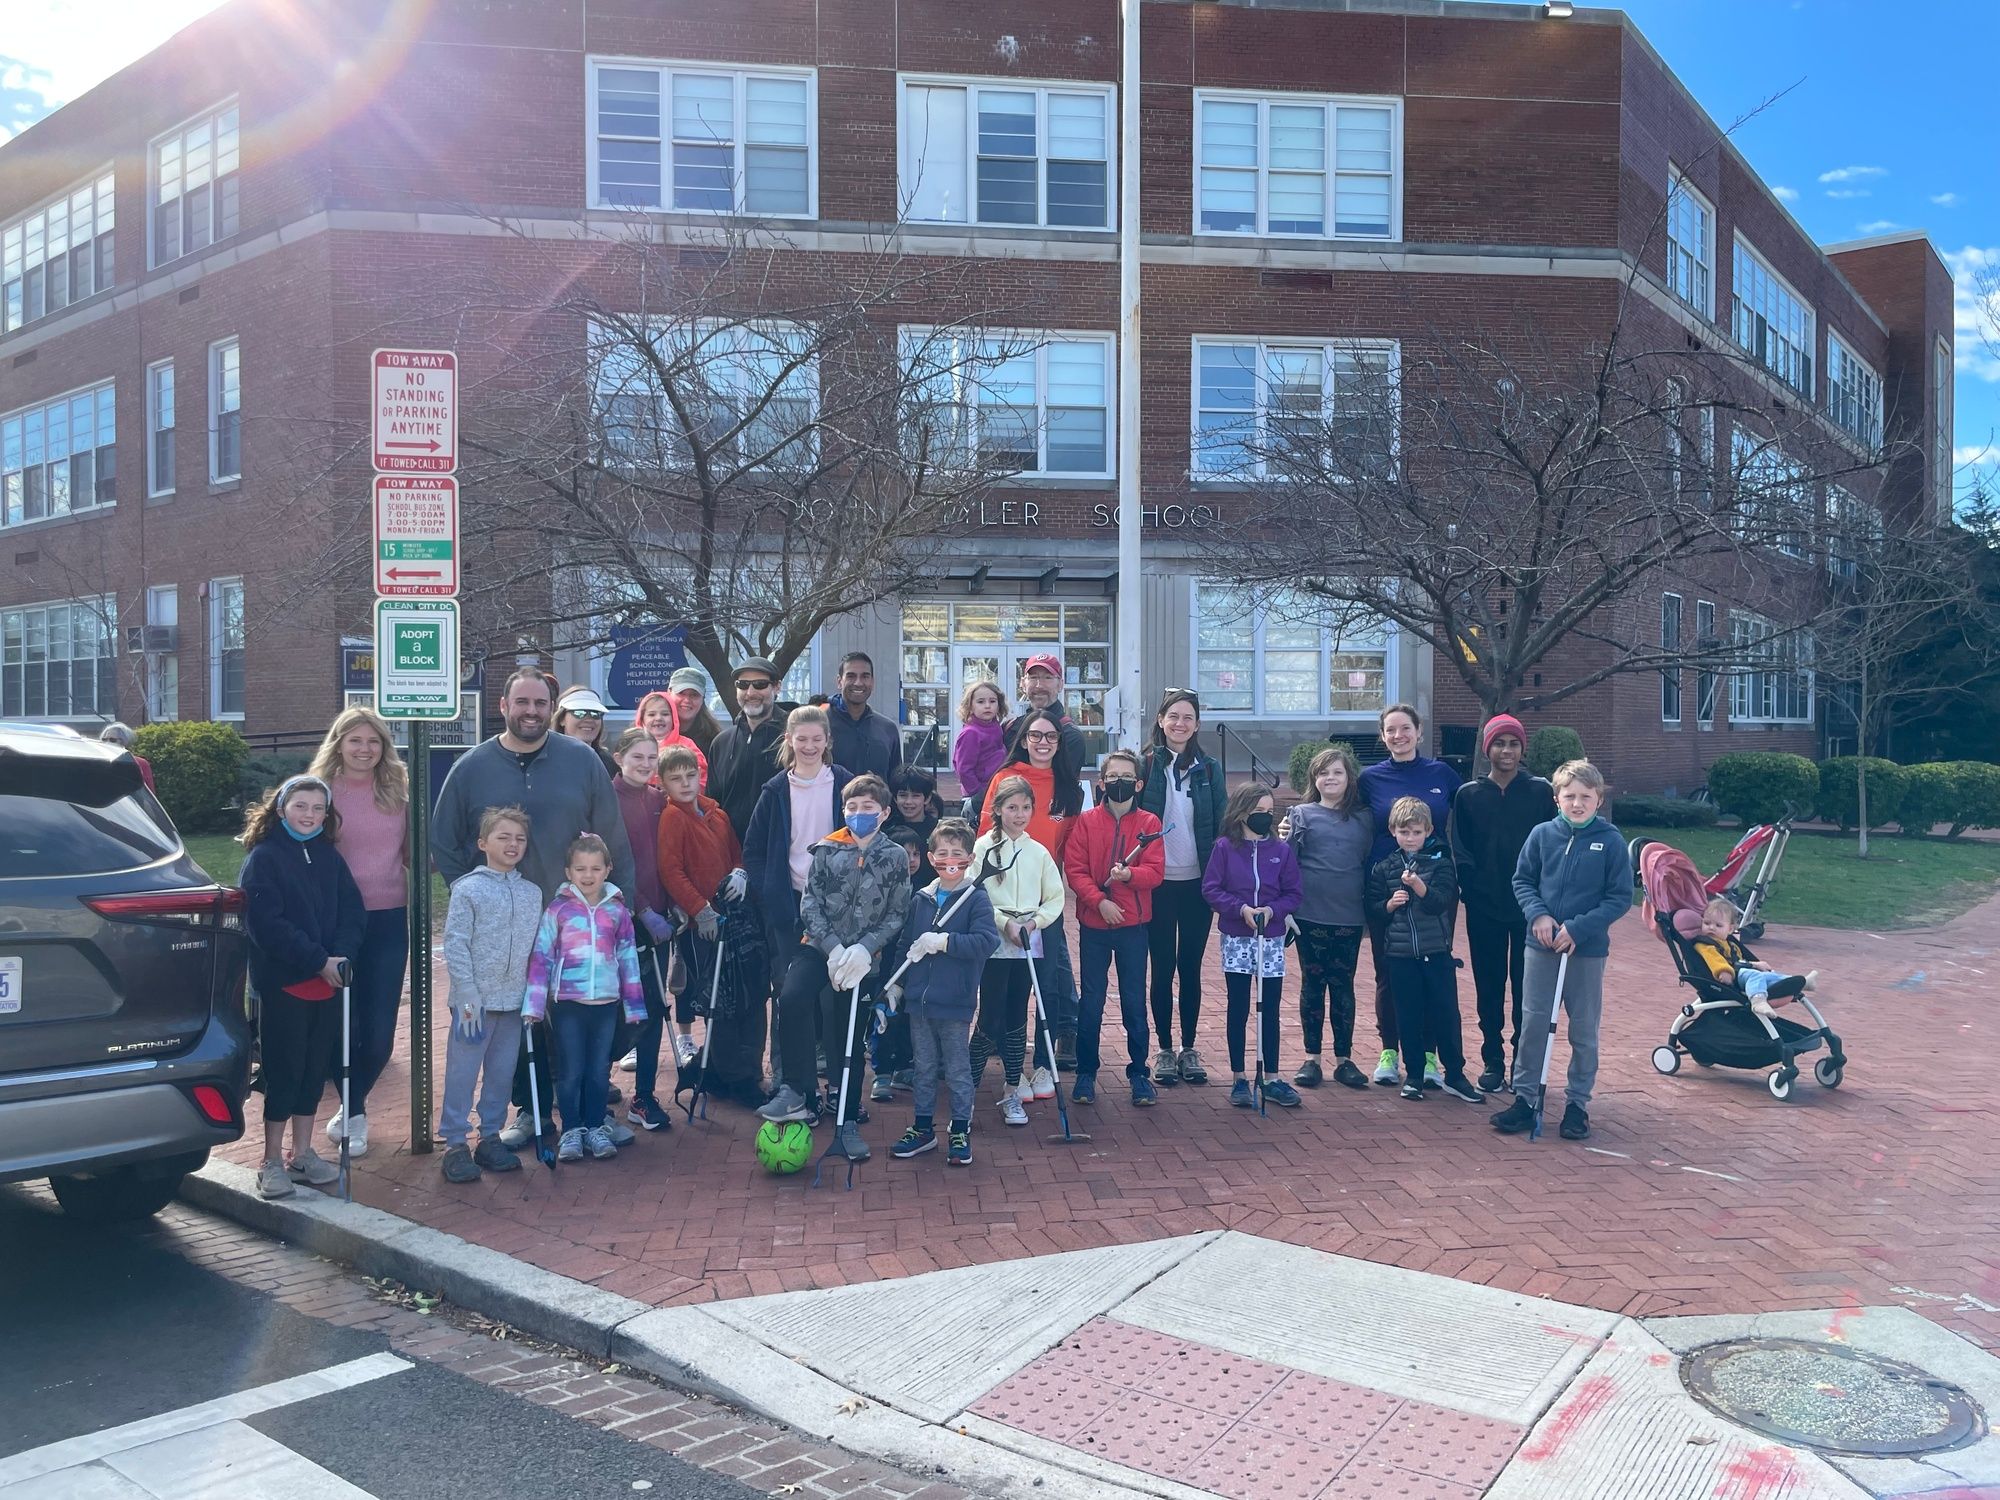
x,y
222,857
1824,883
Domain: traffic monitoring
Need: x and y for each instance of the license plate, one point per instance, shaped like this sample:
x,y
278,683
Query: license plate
x,y
10,985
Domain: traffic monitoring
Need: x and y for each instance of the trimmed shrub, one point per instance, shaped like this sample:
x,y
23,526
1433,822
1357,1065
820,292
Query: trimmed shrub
x,y
1631,810
1930,796
262,772
1301,758
1756,785
1979,792
1550,746
1839,799
198,768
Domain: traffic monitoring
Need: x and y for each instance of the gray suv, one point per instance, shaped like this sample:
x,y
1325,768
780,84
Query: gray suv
x,y
124,1041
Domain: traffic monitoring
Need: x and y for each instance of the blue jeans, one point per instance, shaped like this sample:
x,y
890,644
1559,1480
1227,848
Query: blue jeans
x,y
1097,949
377,996
583,1060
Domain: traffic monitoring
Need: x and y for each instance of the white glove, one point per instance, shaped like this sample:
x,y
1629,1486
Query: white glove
x,y
471,1022
929,943
847,966
894,995
1291,926
737,884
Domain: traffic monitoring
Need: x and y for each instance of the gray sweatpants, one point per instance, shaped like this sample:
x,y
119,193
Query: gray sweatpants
x,y
488,1063
1583,999
944,1047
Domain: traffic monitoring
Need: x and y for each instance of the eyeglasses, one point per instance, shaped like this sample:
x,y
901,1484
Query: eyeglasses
x,y
1042,735
752,684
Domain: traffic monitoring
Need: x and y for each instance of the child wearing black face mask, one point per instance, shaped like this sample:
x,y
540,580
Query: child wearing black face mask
x,y
1113,860
1252,882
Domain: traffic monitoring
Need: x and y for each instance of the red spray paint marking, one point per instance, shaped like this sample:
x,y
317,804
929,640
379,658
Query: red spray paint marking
x,y
1836,1328
1757,1475
1568,1335
1591,1397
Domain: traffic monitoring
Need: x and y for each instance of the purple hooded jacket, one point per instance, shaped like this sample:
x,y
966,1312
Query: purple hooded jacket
x,y
1252,872
978,751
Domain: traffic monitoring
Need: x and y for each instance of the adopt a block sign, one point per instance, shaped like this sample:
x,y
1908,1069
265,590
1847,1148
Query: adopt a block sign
x,y
416,658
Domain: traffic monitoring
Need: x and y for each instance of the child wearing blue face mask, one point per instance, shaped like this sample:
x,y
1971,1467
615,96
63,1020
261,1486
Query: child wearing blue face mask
x,y
857,895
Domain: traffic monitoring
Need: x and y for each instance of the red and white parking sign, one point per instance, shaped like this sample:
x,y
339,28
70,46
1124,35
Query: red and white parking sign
x,y
416,411
416,535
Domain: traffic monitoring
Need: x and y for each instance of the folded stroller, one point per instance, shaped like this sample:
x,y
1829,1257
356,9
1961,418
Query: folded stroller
x,y
1733,883
1719,1028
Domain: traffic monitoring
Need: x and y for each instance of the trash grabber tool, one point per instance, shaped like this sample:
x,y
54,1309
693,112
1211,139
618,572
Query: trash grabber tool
x,y
346,1068
846,1079
1068,1137
545,1149
697,1092
1549,1047
1257,1021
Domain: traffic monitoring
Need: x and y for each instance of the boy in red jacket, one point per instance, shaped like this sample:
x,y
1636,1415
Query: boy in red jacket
x,y
1113,860
698,853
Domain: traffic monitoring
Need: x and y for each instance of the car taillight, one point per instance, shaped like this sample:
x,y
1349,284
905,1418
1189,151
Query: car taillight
x,y
204,906
210,1101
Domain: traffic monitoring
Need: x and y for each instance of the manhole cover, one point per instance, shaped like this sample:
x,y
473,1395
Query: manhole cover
x,y
1828,1397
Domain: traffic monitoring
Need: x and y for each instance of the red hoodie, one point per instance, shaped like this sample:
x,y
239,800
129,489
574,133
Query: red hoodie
x,y
673,736
1096,842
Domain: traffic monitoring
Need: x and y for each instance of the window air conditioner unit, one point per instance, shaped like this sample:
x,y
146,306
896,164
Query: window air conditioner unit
x,y
140,639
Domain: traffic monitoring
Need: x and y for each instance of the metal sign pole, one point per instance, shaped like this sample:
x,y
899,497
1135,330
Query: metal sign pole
x,y
422,1070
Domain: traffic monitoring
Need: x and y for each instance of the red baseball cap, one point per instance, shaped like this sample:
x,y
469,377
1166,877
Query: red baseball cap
x,y
1046,661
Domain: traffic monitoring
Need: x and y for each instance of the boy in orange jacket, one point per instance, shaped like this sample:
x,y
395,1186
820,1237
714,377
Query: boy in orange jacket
x,y
1113,860
698,854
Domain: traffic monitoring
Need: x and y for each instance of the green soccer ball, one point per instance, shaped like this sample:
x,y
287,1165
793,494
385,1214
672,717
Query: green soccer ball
x,y
785,1148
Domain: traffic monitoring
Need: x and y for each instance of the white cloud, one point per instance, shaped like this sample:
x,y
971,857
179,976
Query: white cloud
x,y
1984,456
1975,274
54,50
1879,226
1786,194
1849,193
1945,200
1853,174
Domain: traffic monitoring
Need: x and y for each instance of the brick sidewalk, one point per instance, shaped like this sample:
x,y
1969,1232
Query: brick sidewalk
x,y
1697,1193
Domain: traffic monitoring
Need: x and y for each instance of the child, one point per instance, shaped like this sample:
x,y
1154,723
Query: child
x,y
584,964
660,717
1252,884
305,918
699,860
857,894
1114,876
918,809
1331,837
489,932
641,802
1413,895
1574,879
979,749
1027,896
889,1043
1729,961
949,941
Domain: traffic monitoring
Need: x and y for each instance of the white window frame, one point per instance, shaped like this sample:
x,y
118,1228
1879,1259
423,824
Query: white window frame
x,y
1704,677
219,230
1329,647
1942,376
1758,693
217,621
1264,99
1748,451
740,76
100,611
94,196
163,668
26,430
909,156
1747,270
216,411
1672,611
968,369
155,429
1853,392
1702,256
1261,410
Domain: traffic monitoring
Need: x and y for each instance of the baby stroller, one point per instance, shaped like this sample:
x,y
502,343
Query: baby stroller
x,y
1767,840
1718,1028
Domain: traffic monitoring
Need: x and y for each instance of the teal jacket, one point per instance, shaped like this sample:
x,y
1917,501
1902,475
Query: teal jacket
x,y
1206,793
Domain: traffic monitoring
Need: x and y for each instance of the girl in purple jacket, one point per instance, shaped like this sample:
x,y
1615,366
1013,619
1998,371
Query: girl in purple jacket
x,y
1252,882
979,749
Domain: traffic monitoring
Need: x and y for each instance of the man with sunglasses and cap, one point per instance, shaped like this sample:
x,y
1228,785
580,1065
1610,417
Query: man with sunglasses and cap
x,y
745,754
1042,687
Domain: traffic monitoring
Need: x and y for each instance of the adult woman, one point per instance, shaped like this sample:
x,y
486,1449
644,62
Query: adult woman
x,y
689,689
370,791
1183,789
1406,773
658,715
580,715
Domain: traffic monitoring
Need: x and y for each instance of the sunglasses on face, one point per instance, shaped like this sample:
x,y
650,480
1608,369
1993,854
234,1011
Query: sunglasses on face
x,y
585,713
752,684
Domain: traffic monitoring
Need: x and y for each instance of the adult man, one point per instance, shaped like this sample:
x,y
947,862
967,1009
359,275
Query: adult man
x,y
1490,821
1041,687
864,742
745,754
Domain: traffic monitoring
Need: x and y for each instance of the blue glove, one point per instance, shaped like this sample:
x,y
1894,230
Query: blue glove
x,y
658,928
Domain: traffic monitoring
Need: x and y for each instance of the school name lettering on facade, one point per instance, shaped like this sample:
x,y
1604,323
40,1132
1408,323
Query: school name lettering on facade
x,y
1029,513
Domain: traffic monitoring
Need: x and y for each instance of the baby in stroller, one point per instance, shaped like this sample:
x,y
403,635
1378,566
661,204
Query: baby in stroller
x,y
1729,962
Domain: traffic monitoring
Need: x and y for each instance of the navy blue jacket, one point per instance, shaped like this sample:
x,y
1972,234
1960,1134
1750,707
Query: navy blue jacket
x,y
945,986
1431,782
767,848
871,745
302,906
1582,879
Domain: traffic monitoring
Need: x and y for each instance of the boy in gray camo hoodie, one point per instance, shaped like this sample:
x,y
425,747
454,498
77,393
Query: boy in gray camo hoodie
x,y
489,933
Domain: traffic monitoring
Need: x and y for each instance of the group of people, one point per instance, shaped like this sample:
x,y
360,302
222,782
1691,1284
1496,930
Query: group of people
x,y
596,888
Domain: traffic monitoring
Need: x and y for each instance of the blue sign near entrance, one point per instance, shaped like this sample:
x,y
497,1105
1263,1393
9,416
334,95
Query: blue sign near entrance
x,y
643,657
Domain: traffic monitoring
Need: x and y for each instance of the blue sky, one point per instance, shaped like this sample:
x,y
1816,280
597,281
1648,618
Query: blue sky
x,y
1877,127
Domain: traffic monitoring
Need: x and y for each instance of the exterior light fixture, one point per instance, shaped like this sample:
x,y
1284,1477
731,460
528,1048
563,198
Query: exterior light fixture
x,y
1558,10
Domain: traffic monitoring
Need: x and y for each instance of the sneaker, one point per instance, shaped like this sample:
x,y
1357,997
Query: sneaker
x,y
1460,1087
1811,978
274,1182
1346,1074
1433,1071
1144,1095
1083,1091
685,1051
786,1105
618,1131
1575,1125
1011,1110
357,1136
646,1113
881,1091
1025,1091
602,1147
1066,1053
1281,1093
1239,1094
1309,1075
613,1094
314,1170
1191,1069
958,1150
1490,1080
336,1126
1386,1072
1167,1068
458,1166
570,1146
848,1138
914,1142
1413,1091
519,1132
629,1063
492,1156
1515,1118
904,1078
1044,1084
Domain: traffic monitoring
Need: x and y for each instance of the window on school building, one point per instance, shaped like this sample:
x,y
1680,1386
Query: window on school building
x,y
1670,643
1027,403
1263,406
1298,164
1772,321
194,186
1005,153
1853,393
1704,677
751,389
59,254
1274,658
948,645
1775,683
225,411
57,662
160,428
162,653
1772,504
1691,247
59,458
225,648
702,140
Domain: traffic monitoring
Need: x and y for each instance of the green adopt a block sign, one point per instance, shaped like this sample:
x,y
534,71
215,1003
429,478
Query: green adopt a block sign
x,y
416,658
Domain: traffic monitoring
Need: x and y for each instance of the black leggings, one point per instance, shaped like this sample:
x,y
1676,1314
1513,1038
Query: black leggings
x,y
1237,987
1178,940
1327,960
1003,1018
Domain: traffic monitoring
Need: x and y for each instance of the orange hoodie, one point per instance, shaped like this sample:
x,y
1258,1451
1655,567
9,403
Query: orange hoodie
x,y
1044,827
696,852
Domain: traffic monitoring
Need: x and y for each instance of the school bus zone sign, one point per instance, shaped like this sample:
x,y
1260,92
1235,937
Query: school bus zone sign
x,y
415,426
